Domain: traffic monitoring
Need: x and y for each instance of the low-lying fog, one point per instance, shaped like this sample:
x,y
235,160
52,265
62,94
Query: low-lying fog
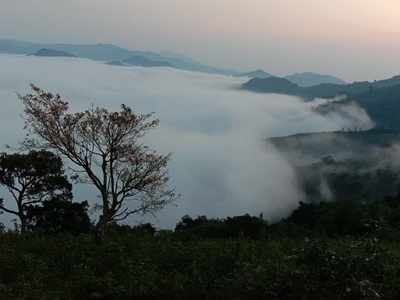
x,y
217,133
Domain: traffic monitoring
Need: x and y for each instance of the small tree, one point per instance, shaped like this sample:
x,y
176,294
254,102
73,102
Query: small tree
x,y
31,179
58,216
106,148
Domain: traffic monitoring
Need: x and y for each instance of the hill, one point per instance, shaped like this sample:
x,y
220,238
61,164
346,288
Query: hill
x,y
116,55
52,53
308,79
255,74
274,85
325,90
329,165
381,104
144,62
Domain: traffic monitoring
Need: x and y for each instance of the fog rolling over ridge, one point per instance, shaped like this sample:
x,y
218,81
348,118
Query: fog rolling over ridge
x,y
216,133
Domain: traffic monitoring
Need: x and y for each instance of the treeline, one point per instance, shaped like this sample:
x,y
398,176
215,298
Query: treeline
x,y
234,258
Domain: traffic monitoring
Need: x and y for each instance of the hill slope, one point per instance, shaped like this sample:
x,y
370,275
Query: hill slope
x,y
359,166
52,53
308,79
114,54
325,90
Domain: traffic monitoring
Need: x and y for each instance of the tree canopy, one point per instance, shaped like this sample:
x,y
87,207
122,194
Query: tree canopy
x,y
106,148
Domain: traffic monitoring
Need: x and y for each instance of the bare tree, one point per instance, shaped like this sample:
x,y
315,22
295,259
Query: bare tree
x,y
106,148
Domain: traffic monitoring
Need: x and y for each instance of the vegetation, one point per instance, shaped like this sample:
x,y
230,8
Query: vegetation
x,y
31,179
329,165
346,249
316,253
105,147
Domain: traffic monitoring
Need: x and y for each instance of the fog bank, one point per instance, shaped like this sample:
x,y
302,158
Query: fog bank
x,y
220,164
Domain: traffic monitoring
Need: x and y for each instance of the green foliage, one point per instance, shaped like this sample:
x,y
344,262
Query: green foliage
x,y
134,266
244,226
343,218
30,179
57,216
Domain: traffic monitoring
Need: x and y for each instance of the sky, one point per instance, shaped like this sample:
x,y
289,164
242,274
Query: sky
x,y
221,163
353,39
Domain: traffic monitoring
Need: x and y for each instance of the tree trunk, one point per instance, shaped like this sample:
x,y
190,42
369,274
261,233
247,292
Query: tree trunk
x,y
100,230
23,223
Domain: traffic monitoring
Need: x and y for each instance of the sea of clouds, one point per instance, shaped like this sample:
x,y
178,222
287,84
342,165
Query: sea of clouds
x,y
217,133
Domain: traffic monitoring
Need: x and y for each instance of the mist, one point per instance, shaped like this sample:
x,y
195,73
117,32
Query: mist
x,y
217,134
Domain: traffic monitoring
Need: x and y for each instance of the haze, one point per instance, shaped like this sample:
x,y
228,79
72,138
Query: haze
x,y
353,39
221,163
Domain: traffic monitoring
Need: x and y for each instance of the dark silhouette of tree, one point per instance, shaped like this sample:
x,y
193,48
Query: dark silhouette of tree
x,y
245,226
106,148
31,179
59,216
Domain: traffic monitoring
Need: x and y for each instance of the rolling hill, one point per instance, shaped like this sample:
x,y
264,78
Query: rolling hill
x,y
115,55
308,79
329,165
326,90
52,53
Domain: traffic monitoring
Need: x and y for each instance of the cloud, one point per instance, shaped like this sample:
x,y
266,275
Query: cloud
x,y
220,164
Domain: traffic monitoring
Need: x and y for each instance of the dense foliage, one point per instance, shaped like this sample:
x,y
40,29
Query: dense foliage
x,y
132,266
30,179
343,250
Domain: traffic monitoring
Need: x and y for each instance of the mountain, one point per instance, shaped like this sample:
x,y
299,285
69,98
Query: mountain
x,y
144,62
116,63
115,55
52,53
308,79
306,148
18,47
255,74
274,85
329,165
381,104
326,90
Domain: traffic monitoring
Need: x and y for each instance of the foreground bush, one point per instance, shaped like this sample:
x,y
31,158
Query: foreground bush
x,y
142,266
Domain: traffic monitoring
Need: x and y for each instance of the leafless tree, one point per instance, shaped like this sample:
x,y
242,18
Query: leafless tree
x,y
105,147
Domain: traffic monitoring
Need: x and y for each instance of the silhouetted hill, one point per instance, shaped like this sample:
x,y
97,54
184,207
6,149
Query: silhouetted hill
x,y
255,74
360,166
17,47
381,104
115,55
274,85
52,53
308,147
116,63
325,90
145,62
308,79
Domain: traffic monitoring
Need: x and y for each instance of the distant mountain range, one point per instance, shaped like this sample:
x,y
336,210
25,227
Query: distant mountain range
x,y
380,99
113,55
117,56
381,104
140,61
52,53
325,90
255,74
308,79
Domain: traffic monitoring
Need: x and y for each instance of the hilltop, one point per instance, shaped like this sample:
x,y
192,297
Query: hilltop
x,y
52,53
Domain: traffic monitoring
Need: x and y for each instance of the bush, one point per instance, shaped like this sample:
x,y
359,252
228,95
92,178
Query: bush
x,y
244,226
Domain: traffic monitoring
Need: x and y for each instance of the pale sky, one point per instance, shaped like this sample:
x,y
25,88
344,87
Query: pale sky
x,y
354,39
